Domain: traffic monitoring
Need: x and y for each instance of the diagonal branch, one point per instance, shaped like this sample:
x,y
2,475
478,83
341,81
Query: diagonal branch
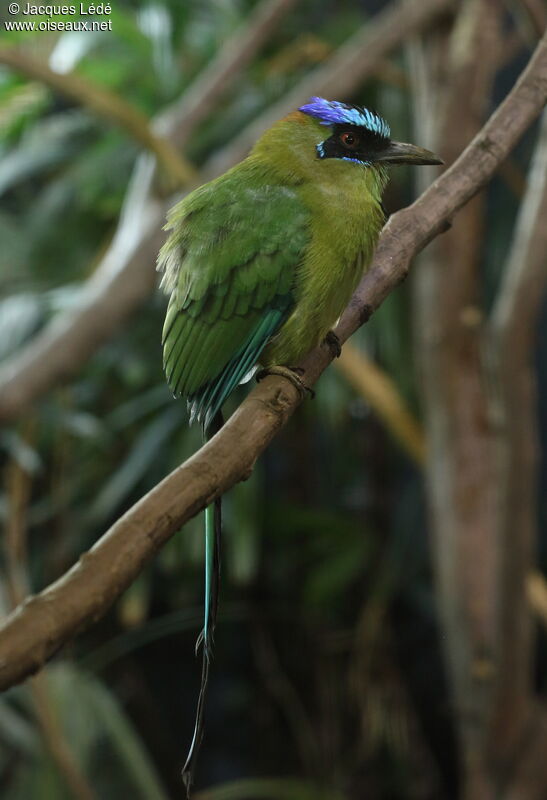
x,y
39,627
126,277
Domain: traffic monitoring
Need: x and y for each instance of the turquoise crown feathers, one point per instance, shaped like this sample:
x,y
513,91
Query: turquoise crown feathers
x,y
331,112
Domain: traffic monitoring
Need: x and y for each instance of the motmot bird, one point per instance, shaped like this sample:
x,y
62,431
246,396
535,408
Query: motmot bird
x,y
259,265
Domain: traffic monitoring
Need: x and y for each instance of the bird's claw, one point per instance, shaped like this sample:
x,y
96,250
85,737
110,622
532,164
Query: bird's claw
x,y
333,343
291,374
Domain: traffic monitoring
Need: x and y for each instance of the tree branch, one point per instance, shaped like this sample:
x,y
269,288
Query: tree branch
x,y
38,628
126,276
510,346
460,473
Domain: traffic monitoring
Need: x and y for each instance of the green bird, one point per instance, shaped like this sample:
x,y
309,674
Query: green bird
x,y
259,265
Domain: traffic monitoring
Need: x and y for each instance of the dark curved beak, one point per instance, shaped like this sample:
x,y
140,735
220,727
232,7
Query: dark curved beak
x,y
402,153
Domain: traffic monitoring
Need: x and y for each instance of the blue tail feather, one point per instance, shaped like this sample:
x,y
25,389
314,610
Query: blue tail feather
x,y
205,406
213,530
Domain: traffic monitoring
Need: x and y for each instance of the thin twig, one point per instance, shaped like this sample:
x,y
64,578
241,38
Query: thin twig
x,y
38,628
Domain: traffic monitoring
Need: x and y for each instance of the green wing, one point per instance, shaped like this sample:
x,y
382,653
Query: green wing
x,y
230,265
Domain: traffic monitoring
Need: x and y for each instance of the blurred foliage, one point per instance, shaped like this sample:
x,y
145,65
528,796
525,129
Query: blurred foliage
x,y
99,733
327,669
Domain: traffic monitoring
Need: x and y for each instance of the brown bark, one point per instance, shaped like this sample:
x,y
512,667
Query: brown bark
x,y
460,472
510,347
481,466
38,628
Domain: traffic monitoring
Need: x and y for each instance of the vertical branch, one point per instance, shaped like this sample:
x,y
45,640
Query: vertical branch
x,y
460,473
511,343
18,490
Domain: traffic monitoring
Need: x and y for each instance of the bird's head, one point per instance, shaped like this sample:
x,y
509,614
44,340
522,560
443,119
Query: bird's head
x,y
335,133
361,136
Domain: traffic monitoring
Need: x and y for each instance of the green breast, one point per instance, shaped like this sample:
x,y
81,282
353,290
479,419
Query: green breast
x,y
346,220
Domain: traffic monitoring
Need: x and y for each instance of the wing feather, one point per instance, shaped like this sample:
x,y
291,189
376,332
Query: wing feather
x,y
229,267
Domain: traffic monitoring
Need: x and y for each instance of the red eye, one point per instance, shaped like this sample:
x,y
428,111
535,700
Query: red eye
x,y
349,140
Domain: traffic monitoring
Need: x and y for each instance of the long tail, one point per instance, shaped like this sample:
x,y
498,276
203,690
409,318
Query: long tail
x,y
213,530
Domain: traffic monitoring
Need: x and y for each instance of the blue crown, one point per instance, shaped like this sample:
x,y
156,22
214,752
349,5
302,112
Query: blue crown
x,y
331,112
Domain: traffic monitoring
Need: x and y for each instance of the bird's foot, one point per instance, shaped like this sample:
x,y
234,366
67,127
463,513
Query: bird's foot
x,y
292,374
333,343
